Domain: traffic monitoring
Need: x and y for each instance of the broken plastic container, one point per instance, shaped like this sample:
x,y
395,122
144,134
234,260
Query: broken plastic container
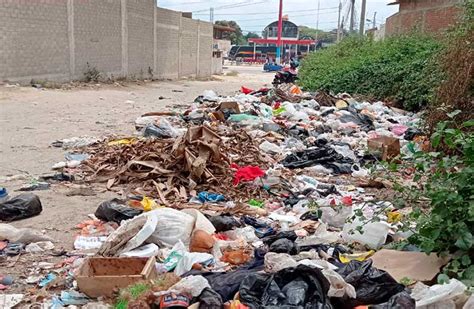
x,y
374,234
143,251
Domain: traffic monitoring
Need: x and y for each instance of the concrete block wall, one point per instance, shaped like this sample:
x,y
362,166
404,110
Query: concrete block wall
x,y
140,23
34,39
423,15
205,49
168,24
189,47
55,40
97,28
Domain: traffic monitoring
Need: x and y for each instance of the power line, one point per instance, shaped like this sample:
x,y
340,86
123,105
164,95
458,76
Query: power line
x,y
231,6
256,19
272,13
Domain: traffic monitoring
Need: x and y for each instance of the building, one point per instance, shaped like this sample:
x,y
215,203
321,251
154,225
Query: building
x,y
220,47
291,42
289,31
422,15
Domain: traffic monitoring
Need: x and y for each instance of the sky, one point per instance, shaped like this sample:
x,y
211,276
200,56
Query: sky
x,y
254,15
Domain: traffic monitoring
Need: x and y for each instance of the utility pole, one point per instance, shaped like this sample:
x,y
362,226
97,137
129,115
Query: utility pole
x,y
373,20
362,17
339,22
280,28
351,25
317,22
211,15
342,28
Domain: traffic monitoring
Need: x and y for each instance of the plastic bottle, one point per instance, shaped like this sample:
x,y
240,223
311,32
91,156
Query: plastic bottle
x,y
3,195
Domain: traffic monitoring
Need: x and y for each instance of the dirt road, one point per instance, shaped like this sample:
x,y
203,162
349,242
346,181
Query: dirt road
x,y
31,119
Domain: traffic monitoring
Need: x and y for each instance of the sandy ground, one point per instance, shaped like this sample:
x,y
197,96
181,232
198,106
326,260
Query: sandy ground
x,y
31,119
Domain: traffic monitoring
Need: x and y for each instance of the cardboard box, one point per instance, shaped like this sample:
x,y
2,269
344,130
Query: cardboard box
x,y
384,147
101,276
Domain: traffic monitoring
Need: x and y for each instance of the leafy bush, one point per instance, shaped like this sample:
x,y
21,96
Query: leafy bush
x,y
401,69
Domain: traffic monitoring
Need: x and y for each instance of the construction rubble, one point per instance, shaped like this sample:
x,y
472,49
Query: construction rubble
x,y
263,199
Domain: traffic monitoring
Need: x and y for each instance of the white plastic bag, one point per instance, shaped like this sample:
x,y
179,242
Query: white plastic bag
x,y
189,259
274,262
438,295
270,148
336,216
201,222
172,226
210,95
24,235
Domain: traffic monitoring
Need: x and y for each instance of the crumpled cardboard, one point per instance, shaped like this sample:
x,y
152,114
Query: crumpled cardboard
x,y
417,266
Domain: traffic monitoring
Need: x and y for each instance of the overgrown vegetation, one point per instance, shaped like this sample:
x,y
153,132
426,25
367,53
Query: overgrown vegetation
x,y
456,91
400,69
91,74
445,225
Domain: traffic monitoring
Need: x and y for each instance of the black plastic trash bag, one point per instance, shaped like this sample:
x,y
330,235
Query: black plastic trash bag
x,y
254,222
364,121
291,235
401,300
226,284
20,207
224,222
115,210
310,215
411,133
210,299
373,286
284,245
325,155
294,287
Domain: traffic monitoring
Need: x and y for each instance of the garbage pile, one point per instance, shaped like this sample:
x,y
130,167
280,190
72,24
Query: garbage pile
x,y
247,201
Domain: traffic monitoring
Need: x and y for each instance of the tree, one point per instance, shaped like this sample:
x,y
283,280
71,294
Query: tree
x,y
307,32
236,37
251,35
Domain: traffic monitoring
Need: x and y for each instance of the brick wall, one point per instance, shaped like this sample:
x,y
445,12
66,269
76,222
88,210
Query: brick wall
x,y
56,39
423,15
